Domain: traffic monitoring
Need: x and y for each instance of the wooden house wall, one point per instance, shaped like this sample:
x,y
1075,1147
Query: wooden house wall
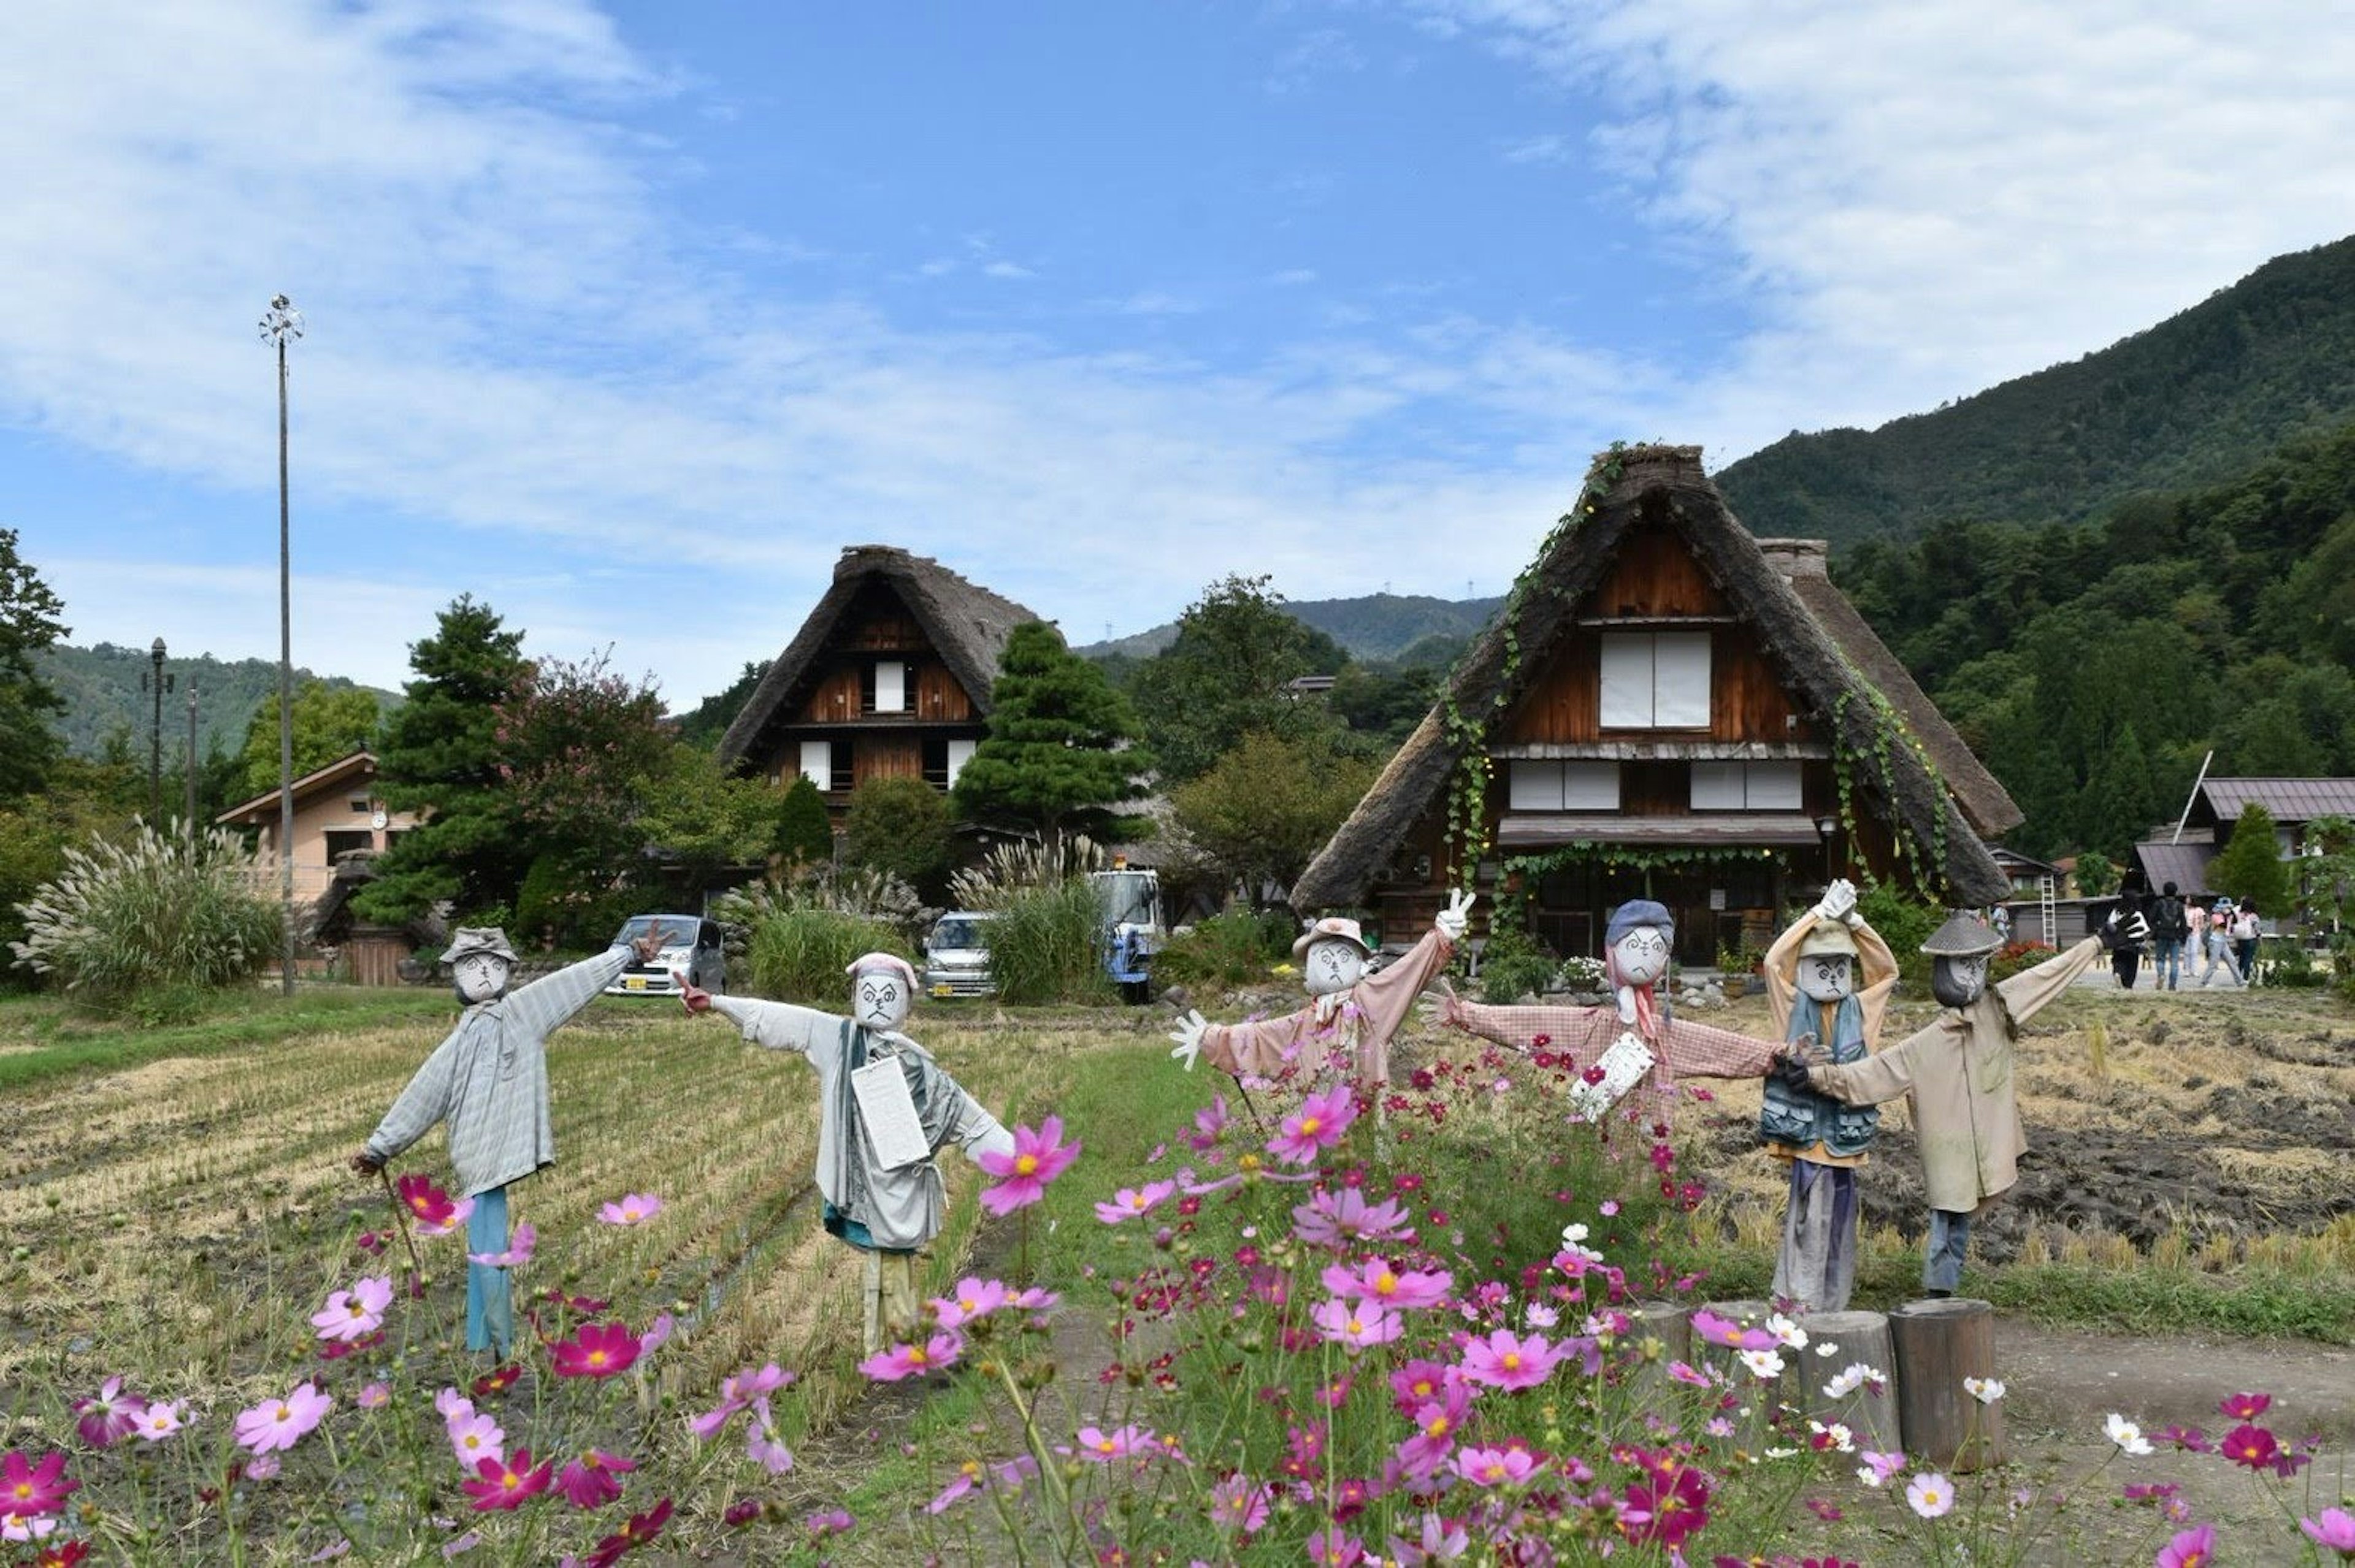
x,y
1563,702
1656,574
898,755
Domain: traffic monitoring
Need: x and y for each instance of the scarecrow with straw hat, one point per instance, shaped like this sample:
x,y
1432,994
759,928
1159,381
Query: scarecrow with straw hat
x,y
1959,1072
1351,1015
488,1081
885,1110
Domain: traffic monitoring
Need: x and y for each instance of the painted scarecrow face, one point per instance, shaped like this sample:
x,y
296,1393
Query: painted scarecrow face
x,y
1958,982
479,977
879,1000
1826,976
1332,966
1641,955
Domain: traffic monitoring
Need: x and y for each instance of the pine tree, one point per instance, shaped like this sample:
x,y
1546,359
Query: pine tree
x,y
1058,754
28,623
2250,868
804,831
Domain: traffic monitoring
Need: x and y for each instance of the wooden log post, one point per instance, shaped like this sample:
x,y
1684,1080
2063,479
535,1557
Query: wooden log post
x,y
1856,1336
1937,1345
1670,1322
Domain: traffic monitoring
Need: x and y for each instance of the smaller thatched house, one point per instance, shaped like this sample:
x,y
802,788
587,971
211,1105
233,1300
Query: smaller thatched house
x,y
1667,708
889,678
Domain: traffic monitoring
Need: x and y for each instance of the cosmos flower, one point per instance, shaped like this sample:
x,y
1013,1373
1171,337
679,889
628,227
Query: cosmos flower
x,y
1317,1127
518,1252
597,1351
107,1419
2125,1435
1129,1202
1039,1156
633,1208
1333,1219
1987,1390
936,1354
503,1487
27,1489
2193,1548
1930,1495
588,1482
353,1314
279,1424
1501,1360
973,1298
474,1438
158,1421
1376,1281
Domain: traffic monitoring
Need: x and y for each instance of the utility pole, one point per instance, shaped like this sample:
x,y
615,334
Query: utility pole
x,y
191,780
157,682
281,323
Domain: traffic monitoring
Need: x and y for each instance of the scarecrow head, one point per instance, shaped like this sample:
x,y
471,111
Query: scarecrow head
x,y
1332,955
1826,969
882,990
1637,942
1958,952
480,962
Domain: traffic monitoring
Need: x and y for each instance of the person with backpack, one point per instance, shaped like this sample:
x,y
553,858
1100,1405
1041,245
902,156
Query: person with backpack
x,y
2245,931
2168,926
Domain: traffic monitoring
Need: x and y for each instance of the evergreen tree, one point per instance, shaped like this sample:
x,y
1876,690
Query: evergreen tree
x,y
2250,868
1058,755
441,755
805,833
2119,805
28,624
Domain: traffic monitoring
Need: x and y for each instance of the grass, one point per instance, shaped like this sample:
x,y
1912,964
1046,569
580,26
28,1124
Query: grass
x,y
43,1037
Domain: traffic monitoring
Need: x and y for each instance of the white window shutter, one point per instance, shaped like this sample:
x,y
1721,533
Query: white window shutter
x,y
1590,786
960,753
1716,786
818,763
1773,786
1680,681
1534,787
1627,681
890,686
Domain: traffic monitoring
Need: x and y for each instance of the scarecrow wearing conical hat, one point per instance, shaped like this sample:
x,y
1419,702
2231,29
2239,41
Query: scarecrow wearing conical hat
x,y
879,1130
1828,978
488,1081
1634,1041
1958,1071
1351,1016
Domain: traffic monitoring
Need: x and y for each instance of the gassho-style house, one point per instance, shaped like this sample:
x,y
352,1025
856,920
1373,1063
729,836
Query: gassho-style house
x,y
1667,708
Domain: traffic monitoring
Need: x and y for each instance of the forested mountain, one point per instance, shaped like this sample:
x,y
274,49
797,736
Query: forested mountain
x,y
1373,626
103,697
2195,401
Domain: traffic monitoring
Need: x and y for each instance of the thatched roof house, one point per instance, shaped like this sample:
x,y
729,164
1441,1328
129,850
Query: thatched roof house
x,y
889,676
1668,707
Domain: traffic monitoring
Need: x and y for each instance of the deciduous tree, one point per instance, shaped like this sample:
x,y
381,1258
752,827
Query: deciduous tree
x,y
329,722
28,624
1268,807
2250,866
1225,677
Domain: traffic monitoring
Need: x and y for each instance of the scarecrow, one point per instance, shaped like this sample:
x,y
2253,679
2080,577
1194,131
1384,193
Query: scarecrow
x,y
1958,1070
1351,1014
1631,1041
488,1080
1818,996
885,1109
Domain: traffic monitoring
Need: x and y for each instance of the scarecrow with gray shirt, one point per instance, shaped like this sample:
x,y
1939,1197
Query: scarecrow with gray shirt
x,y
488,1080
884,1199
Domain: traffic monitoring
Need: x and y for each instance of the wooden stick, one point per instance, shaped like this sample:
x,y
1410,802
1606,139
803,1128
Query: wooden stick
x,y
416,1264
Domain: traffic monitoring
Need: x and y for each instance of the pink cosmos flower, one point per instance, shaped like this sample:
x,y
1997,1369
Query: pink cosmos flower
x,y
1440,1542
1680,1371
1238,1504
1503,1362
830,1521
971,1298
1356,1325
1039,1156
25,1527
262,1467
519,1249
459,1212
1495,1466
2194,1548
427,1203
277,1423
452,1405
1098,1446
1130,1202
2334,1530
1335,1549
26,1489
597,1351
588,1482
1317,1127
355,1313
761,1444
107,1419
737,1391
1878,1469
158,1421
936,1354
1436,1427
373,1396
1401,1290
504,1488
969,1479
1208,1126
1335,1219
1724,1332
633,1208
1673,1505
1930,1495
2251,1446
474,1438
2246,1406
1420,1381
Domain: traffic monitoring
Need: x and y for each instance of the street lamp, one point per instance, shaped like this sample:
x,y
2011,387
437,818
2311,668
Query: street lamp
x,y
281,323
159,683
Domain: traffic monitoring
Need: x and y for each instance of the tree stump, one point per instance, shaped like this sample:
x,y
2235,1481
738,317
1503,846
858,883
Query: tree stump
x,y
1670,1323
1855,1337
1937,1345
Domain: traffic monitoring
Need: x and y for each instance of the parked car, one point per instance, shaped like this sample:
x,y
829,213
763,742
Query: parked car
x,y
690,947
956,954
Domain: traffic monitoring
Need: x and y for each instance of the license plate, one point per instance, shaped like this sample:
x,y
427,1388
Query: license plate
x,y
944,990
633,982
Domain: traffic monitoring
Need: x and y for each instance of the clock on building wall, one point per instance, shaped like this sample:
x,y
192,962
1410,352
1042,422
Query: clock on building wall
x,y
379,819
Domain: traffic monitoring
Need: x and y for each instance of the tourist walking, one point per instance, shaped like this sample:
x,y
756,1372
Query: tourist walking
x,y
2168,926
2245,931
2216,940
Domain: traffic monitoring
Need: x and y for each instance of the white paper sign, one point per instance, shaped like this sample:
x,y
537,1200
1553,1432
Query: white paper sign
x,y
889,1113
1623,1066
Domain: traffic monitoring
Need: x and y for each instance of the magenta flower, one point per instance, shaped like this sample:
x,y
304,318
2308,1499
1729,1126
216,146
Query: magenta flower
x,y
1401,1290
737,1391
830,1521
107,1419
1238,1504
588,1482
2251,1446
761,1444
936,1354
597,1351
742,1513
1131,1201
158,1421
276,1424
1436,1424
2246,1406
1357,1325
2194,1548
1496,1466
1675,1506
1335,1548
1098,1446
1317,1127
971,1298
1503,1362
1440,1543
1420,1381
2335,1530
519,1252
1208,1126
356,1313
427,1203
504,1486
634,1208
373,1396
26,1489
1334,1219
1039,1156
1724,1332
459,1212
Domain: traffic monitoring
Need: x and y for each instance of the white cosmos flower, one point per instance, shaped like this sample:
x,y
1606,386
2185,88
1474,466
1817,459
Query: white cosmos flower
x,y
1762,1363
1987,1390
1792,1336
2125,1435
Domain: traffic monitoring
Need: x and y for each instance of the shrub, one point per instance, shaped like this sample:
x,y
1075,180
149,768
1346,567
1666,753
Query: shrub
x,y
1514,965
1904,923
804,831
156,913
1043,945
2293,966
1231,949
800,955
1024,866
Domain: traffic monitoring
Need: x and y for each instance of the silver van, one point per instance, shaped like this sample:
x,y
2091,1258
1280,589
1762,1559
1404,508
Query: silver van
x,y
956,954
690,945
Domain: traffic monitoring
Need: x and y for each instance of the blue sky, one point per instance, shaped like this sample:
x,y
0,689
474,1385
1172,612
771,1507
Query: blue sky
x,y
628,318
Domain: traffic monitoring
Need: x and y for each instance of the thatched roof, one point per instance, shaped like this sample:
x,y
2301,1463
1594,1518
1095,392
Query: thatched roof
x,y
965,623
1665,486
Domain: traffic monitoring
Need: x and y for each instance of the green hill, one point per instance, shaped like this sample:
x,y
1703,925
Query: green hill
x,y
1373,626
2197,401
101,686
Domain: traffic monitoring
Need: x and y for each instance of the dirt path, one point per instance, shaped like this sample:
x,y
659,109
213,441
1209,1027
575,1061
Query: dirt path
x,y
2066,1381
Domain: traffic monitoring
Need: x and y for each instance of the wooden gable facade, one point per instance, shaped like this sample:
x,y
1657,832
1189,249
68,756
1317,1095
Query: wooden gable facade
x,y
889,678
1665,716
